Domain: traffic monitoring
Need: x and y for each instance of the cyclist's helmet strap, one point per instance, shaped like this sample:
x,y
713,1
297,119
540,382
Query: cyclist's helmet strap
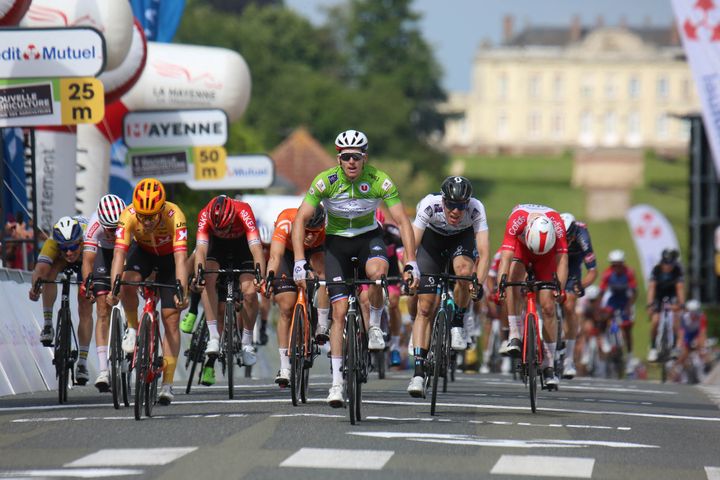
x,y
222,212
456,189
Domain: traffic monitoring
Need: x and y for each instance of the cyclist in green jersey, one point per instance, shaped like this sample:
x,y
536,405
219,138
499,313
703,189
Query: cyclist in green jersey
x,y
351,192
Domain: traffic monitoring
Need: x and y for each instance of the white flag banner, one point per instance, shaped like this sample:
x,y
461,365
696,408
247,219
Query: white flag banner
x,y
698,22
652,233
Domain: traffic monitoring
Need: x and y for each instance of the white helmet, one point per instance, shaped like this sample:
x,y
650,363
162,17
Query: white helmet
x,y
351,139
109,209
592,292
569,222
266,234
540,235
692,305
616,256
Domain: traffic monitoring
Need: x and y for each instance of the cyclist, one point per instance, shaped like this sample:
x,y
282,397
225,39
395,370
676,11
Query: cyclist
x,y
351,192
594,324
580,252
160,233
98,248
266,234
281,263
619,285
452,221
227,232
395,251
694,326
666,284
62,250
534,236
495,312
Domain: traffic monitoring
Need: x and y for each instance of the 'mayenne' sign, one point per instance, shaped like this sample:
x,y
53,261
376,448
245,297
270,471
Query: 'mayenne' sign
x,y
51,52
175,128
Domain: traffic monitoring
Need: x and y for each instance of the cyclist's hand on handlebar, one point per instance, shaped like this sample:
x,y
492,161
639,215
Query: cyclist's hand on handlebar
x,y
34,292
497,298
411,273
300,273
111,299
560,296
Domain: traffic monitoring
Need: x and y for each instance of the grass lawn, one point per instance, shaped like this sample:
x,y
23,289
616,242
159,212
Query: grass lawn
x,y
503,182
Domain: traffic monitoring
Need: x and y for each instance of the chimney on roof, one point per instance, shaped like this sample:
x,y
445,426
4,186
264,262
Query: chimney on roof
x,y
508,21
674,35
599,21
575,28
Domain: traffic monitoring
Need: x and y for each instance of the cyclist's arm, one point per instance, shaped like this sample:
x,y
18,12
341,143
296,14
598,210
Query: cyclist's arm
x,y
397,212
41,270
277,250
256,250
181,272
304,213
589,279
651,293
201,250
504,266
118,263
680,292
562,268
482,242
88,261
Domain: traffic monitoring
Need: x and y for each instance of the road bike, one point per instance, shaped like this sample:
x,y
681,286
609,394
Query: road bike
x,y
379,358
356,356
64,355
532,350
494,362
147,361
665,337
230,339
439,356
614,345
195,354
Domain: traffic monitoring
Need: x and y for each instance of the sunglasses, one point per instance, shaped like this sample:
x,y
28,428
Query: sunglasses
x,y
345,157
455,205
146,218
69,248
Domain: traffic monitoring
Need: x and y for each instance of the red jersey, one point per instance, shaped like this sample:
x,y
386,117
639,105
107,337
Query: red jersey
x,y
495,265
283,227
519,219
244,224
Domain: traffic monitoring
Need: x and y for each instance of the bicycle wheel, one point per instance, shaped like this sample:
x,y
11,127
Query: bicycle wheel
x,y
664,354
229,333
156,370
297,355
305,383
437,345
362,356
379,361
350,366
196,352
142,366
116,357
531,358
62,354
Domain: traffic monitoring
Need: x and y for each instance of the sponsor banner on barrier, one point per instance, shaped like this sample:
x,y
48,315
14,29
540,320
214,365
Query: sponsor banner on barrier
x,y
177,165
243,172
51,52
55,166
175,128
50,102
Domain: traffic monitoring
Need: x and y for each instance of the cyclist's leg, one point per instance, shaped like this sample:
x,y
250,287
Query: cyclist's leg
x,y
84,333
47,271
514,310
171,323
395,324
570,331
103,261
251,307
654,322
210,300
462,265
317,261
138,266
377,266
547,304
285,297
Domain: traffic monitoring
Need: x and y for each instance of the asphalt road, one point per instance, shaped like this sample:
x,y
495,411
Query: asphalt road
x,y
589,429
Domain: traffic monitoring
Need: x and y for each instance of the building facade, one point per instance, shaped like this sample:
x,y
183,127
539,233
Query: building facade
x,y
550,89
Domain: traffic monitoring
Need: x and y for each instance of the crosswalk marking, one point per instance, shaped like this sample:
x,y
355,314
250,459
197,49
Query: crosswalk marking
x,y
338,458
713,473
126,457
544,466
72,473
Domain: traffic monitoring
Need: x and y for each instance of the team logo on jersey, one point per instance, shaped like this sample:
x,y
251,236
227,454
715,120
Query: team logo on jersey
x,y
438,208
320,184
181,235
364,187
285,226
386,185
311,191
429,211
120,232
92,230
333,178
170,213
165,239
516,224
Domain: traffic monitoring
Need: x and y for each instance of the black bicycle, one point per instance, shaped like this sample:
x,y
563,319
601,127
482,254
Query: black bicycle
x,y
64,355
356,356
230,340
440,354
195,354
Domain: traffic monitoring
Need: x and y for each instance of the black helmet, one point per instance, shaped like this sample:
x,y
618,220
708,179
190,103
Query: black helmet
x,y
318,218
456,189
669,255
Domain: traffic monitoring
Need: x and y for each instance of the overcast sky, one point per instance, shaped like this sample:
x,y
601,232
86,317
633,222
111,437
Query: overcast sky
x,y
456,27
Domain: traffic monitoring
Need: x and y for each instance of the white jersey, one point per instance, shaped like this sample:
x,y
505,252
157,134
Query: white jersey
x,y
431,214
96,236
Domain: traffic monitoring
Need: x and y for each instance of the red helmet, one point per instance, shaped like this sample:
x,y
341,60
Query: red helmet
x,y
222,212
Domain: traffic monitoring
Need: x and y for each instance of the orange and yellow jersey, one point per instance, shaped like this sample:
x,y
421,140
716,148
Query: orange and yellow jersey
x,y
169,236
283,227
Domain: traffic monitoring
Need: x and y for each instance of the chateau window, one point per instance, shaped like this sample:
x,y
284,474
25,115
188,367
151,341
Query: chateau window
x,y
534,124
586,123
663,87
634,123
634,88
558,125
610,123
610,87
686,90
502,86
661,126
502,125
586,87
534,86
558,87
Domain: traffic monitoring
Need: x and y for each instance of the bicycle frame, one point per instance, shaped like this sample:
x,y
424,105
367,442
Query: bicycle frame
x,y
531,299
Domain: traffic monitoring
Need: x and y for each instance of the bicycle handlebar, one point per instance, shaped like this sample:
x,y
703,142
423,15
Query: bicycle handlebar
x,y
68,272
531,284
202,272
151,285
477,288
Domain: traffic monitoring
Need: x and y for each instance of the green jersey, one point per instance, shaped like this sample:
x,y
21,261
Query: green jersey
x,y
350,205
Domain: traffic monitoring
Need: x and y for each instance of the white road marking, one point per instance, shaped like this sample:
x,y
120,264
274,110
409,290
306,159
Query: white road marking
x,y
548,409
401,419
79,473
338,458
536,465
320,415
131,457
60,419
600,388
477,440
713,473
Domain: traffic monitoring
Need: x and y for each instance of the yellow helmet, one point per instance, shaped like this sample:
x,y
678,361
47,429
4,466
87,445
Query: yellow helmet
x,y
149,196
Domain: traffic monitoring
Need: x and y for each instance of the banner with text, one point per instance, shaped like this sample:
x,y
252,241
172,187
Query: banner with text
x,y
243,172
175,128
176,165
652,233
698,23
